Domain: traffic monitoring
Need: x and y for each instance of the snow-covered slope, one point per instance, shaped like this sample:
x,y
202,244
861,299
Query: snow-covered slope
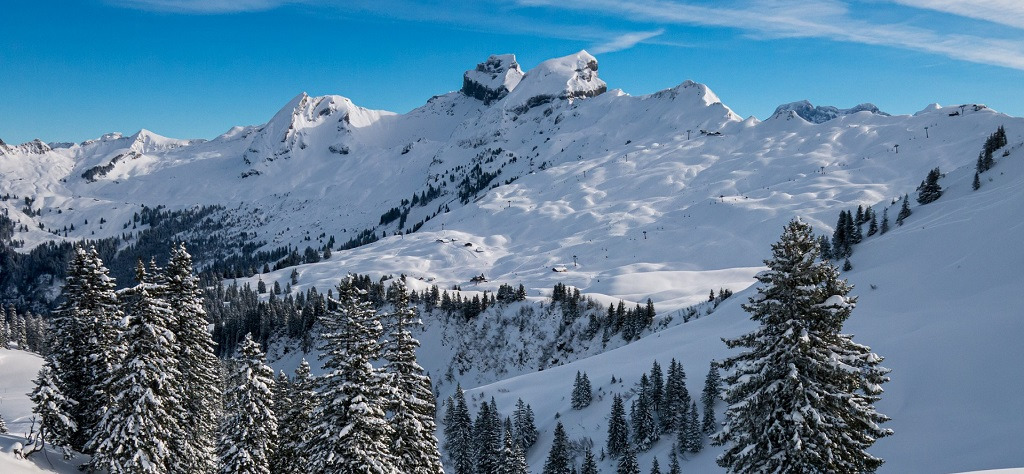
x,y
663,196
936,298
17,371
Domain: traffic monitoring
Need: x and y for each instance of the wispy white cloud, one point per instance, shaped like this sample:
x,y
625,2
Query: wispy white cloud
x,y
204,7
625,41
827,19
1004,12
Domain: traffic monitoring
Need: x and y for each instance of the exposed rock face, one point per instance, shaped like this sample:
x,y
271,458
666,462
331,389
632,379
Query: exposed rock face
x,y
567,78
822,113
492,79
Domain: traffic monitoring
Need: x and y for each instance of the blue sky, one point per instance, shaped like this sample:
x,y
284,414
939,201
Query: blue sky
x,y
75,69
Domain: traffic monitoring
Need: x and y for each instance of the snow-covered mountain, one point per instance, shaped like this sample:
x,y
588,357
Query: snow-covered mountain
x,y
663,196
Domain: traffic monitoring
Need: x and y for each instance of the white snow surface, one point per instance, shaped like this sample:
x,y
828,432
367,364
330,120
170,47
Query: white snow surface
x,y
665,196
17,371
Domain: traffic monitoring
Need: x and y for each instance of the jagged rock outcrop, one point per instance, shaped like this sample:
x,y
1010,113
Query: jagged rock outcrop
x,y
492,79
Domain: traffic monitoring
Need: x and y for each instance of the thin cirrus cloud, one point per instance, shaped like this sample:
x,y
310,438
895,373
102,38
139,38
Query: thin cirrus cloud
x,y
827,19
1004,12
625,41
203,7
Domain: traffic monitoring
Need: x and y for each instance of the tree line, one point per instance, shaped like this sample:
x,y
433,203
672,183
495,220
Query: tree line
x,y
134,382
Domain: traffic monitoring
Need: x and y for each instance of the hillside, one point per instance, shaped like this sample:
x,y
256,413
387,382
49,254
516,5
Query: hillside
x,y
935,298
548,176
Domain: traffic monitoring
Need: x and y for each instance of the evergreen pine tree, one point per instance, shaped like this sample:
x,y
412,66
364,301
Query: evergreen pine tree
x,y
826,247
193,453
487,438
414,444
523,424
5,338
589,463
657,379
3,425
929,190
840,238
582,392
976,184
677,399
645,431
885,221
673,462
904,211
282,400
513,461
670,398
872,227
712,387
856,236
85,341
248,430
458,434
618,430
352,433
53,409
294,422
558,458
800,395
628,464
694,437
140,427
655,469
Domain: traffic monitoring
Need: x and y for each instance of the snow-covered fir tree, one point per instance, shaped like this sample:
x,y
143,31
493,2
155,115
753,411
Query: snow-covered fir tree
x,y
141,424
628,463
458,434
800,396
53,409
618,429
282,401
657,380
248,429
5,334
558,461
885,221
487,438
710,394
655,468
589,463
645,430
676,399
691,436
930,190
414,444
198,365
352,434
294,422
673,461
525,430
513,461
582,392
904,211
86,341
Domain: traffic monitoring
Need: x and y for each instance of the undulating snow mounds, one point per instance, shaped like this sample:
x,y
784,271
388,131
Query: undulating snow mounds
x,y
934,299
664,196
17,371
